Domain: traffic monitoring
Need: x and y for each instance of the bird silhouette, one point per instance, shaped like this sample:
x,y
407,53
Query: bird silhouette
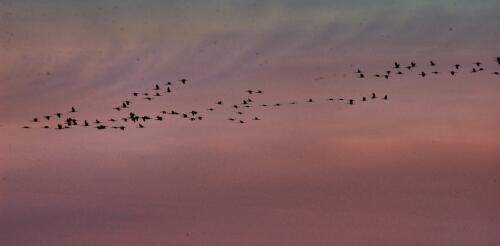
x,y
157,87
432,63
363,99
73,110
457,66
47,117
85,123
498,60
256,118
100,127
478,64
58,115
219,102
183,81
351,101
373,95
135,94
453,73
423,74
34,120
385,97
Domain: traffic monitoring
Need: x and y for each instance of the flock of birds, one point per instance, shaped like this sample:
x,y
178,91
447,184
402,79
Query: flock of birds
x,y
398,69
60,121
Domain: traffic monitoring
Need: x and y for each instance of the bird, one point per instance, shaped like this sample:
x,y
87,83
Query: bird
x,y
46,127
359,71
496,73
117,108
239,112
85,123
168,83
73,110
413,64
396,65
498,60
112,120
452,72
457,66
310,100
135,94
422,74
159,118
250,91
183,81
157,87
97,122
163,112
148,98
373,95
474,70
34,120
157,94
58,115
47,117
59,127
385,97
241,122
361,75
256,118
377,75
210,109
231,119
168,90
435,72
364,99
478,64
26,127
432,63
100,127
259,92
386,76
141,126
351,101
219,102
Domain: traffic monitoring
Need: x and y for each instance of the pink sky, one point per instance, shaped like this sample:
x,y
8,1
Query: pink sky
x,y
418,169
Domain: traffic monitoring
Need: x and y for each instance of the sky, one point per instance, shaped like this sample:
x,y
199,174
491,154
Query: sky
x,y
421,168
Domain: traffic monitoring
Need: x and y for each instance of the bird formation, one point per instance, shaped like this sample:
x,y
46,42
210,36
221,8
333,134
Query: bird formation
x,y
427,69
131,119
